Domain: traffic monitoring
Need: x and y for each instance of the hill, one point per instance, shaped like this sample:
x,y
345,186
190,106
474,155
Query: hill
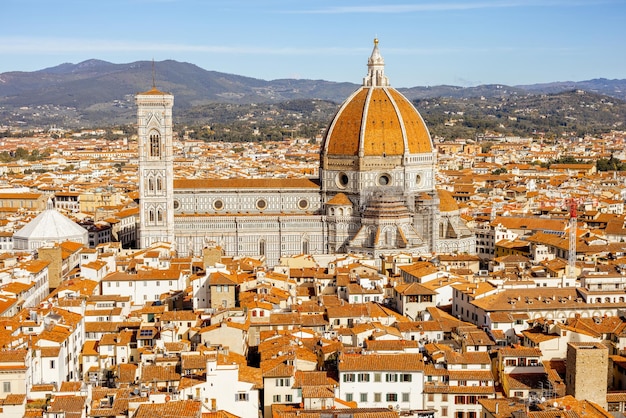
x,y
576,113
612,88
571,113
95,92
100,93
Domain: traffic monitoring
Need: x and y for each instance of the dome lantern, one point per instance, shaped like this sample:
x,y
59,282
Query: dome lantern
x,y
375,69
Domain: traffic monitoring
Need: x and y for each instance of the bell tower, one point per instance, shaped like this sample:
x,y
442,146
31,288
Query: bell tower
x,y
156,167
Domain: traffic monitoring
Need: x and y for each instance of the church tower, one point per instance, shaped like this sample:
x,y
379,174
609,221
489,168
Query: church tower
x,y
156,167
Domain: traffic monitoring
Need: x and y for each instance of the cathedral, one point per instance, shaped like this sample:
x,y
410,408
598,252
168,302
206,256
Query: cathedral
x,y
376,192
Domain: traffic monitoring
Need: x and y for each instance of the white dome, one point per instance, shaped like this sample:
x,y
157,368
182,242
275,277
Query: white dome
x,y
48,227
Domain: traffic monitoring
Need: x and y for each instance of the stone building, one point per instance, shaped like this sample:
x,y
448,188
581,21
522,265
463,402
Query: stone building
x,y
376,193
586,371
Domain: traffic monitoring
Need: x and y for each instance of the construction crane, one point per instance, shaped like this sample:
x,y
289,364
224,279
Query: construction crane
x,y
571,257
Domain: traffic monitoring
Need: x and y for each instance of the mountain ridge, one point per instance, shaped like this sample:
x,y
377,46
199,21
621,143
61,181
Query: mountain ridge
x,y
93,91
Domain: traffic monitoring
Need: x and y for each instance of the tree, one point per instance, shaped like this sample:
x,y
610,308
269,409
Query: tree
x,y
21,154
611,164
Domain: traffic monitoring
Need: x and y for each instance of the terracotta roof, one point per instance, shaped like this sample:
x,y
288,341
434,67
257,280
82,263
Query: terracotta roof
x,y
313,378
219,414
616,396
278,369
178,316
537,336
71,405
446,201
523,380
13,399
317,392
382,362
390,345
470,375
153,92
339,199
418,326
13,356
347,409
90,348
411,289
180,409
535,299
153,372
531,224
194,361
471,357
126,372
70,386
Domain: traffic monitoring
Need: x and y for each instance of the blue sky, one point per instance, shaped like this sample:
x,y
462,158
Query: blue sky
x,y
426,42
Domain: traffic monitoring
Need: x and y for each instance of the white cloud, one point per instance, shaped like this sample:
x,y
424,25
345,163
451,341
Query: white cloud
x,y
28,46
442,6
53,46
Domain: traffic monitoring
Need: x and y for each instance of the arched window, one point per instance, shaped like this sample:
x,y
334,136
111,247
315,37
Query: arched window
x,y
155,145
389,237
159,215
305,247
159,184
262,247
151,215
441,229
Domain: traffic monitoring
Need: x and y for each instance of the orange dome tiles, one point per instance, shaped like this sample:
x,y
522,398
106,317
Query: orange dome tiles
x,y
416,132
391,125
344,137
383,132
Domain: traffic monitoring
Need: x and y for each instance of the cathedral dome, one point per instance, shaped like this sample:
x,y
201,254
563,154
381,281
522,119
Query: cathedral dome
x,y
376,121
